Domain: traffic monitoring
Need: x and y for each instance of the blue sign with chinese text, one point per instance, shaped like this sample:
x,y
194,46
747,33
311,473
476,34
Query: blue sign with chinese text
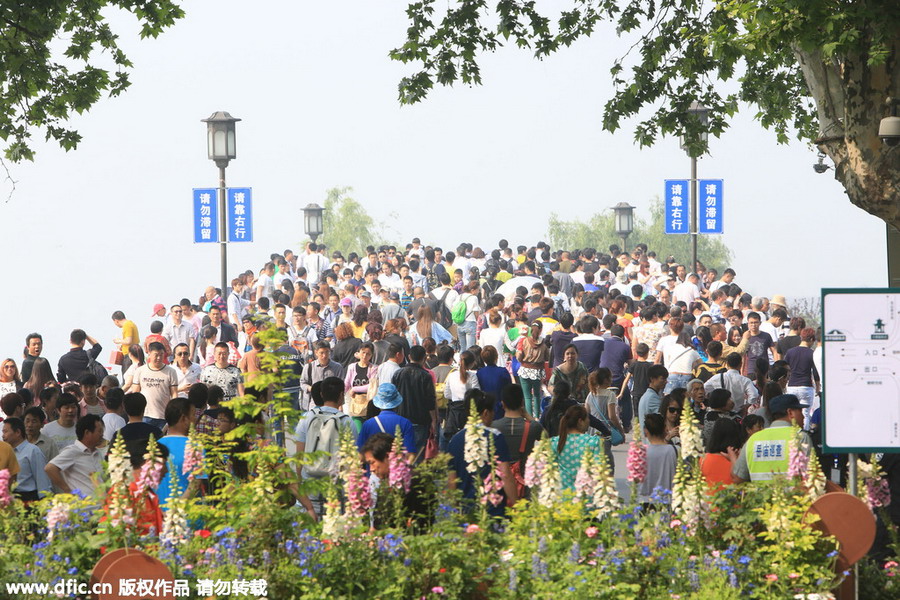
x,y
710,206
240,215
206,215
677,215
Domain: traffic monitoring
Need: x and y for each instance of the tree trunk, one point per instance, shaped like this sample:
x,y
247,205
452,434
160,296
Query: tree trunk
x,y
851,100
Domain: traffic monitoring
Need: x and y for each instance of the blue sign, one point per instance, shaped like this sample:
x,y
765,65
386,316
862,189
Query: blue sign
x,y
240,215
677,214
206,215
710,202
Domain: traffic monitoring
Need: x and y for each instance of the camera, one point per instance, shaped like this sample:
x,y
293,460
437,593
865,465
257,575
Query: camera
x,y
889,130
820,167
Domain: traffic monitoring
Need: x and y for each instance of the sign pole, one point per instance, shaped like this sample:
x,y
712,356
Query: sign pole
x,y
223,228
694,221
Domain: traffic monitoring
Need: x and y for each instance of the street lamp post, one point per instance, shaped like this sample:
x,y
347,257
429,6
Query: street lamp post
x,y
222,147
701,114
624,214
312,220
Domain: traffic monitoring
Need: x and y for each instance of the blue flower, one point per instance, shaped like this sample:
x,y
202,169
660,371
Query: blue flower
x,y
224,531
72,571
744,560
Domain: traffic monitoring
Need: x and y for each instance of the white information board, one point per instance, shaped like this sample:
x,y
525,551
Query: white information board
x,y
861,364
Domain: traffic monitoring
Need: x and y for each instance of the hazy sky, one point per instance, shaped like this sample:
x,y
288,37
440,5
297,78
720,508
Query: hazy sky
x,y
109,226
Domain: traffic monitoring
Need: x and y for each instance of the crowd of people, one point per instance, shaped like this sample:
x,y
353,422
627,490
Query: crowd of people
x,y
576,345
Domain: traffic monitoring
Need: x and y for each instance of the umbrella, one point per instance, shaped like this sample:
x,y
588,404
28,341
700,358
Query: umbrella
x,y
509,288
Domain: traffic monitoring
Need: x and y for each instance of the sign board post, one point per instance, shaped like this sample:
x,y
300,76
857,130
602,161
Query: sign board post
x,y
206,214
861,364
676,208
710,209
240,215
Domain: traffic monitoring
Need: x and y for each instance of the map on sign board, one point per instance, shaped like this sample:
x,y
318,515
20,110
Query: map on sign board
x,y
861,364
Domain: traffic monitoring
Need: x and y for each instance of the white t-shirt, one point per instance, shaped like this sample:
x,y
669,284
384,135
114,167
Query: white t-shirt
x,y
155,386
686,292
62,436
190,378
111,424
472,306
771,330
679,359
493,336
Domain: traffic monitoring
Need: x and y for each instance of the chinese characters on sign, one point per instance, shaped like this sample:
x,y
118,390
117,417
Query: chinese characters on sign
x,y
676,213
710,206
240,215
206,216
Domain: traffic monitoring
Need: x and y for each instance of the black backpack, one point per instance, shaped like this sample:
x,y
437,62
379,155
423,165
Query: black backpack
x,y
442,314
97,369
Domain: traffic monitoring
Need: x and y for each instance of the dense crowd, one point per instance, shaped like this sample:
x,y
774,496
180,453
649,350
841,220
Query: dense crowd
x,y
576,345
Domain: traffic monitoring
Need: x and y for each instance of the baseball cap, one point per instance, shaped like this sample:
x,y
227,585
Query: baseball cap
x,y
366,295
346,302
395,296
780,404
156,308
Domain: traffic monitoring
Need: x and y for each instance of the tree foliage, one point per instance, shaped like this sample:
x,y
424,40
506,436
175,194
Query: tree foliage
x,y
818,69
347,226
42,86
599,231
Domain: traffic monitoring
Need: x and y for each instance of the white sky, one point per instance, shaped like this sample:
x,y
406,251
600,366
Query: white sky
x,y
109,226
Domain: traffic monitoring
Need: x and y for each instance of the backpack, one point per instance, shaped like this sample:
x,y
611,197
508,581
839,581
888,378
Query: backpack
x,y
97,369
439,386
558,309
460,311
440,311
324,435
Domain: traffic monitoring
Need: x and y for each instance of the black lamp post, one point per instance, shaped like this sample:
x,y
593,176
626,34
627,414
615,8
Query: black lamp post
x,y
701,114
221,146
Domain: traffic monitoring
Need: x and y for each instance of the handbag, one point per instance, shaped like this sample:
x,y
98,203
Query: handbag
x,y
431,447
616,437
358,404
116,357
516,467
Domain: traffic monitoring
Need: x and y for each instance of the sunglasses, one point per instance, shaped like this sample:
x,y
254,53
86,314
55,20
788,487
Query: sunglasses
x,y
181,354
673,409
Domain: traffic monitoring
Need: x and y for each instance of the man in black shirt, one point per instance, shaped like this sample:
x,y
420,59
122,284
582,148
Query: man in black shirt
x,y
136,429
417,388
74,363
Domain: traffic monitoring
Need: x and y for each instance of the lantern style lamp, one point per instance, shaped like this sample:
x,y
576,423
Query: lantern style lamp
x,y
624,213
221,141
312,220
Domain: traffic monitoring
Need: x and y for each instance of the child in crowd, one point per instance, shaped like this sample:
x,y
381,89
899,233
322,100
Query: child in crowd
x,y
637,375
661,458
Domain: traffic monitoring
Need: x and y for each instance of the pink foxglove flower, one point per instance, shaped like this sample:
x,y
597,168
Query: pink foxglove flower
x,y
797,460
193,459
637,461
5,497
56,516
491,487
534,467
878,493
400,476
